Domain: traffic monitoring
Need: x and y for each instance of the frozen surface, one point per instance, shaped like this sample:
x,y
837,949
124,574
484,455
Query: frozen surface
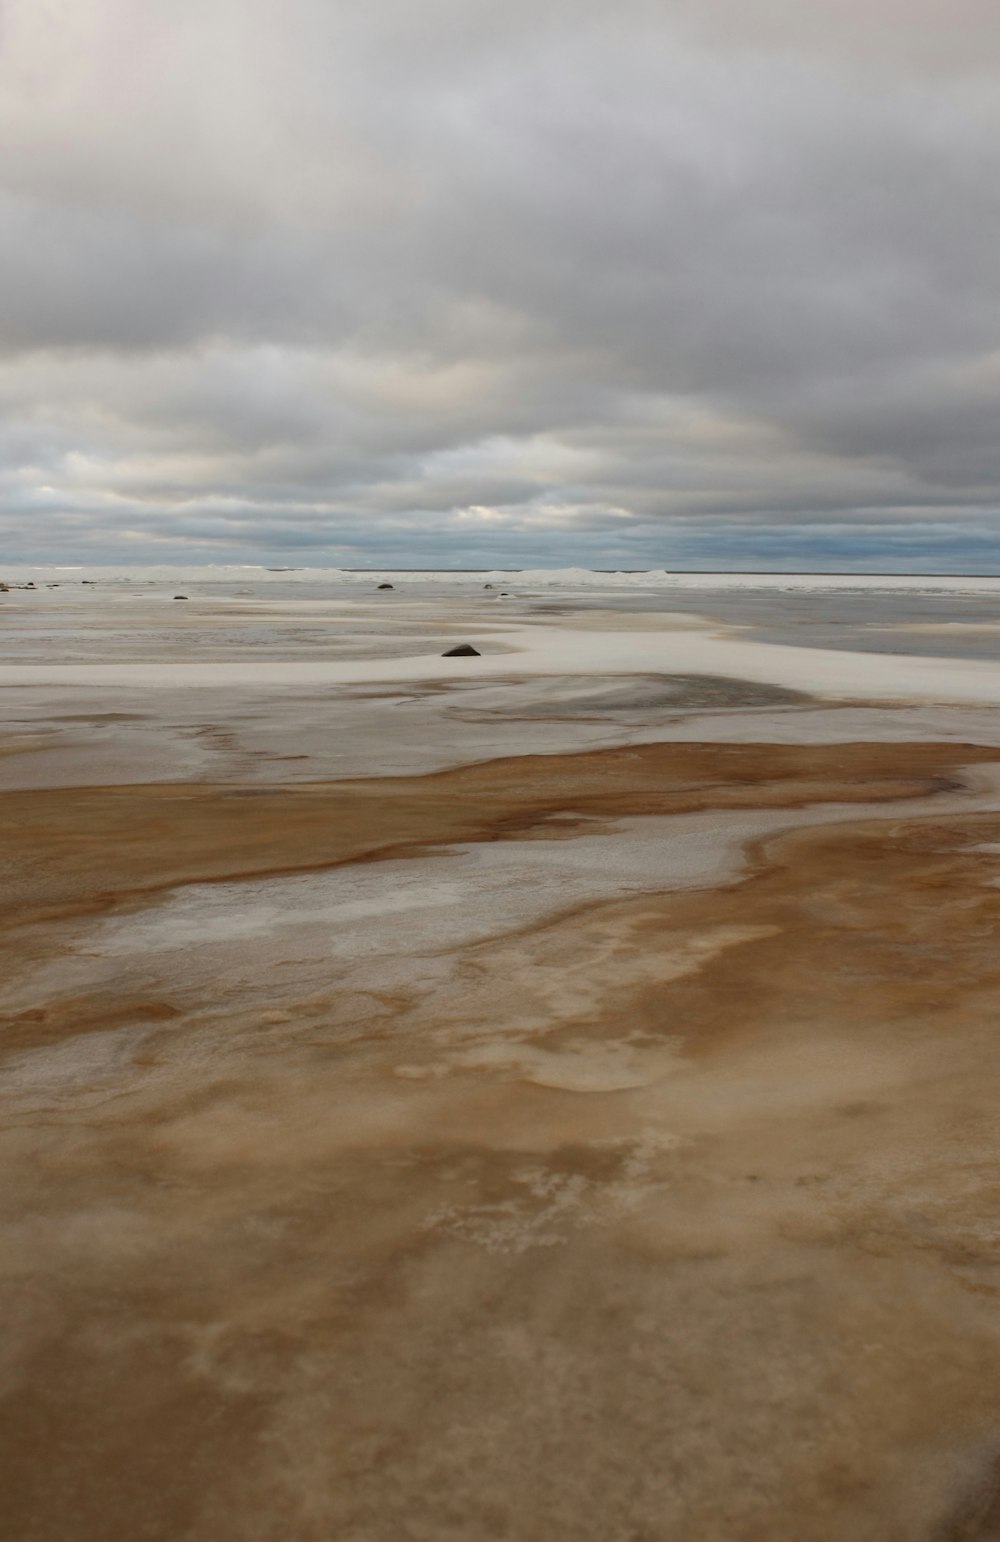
x,y
556,579
565,649
582,1139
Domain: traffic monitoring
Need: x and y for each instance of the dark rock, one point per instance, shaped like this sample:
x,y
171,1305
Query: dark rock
x,y
386,586
180,596
463,651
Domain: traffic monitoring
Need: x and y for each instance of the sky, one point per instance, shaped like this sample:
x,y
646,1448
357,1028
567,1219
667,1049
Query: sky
x,y
432,283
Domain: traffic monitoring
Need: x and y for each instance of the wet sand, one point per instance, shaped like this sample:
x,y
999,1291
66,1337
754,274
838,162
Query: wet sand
x,y
666,1217
595,1145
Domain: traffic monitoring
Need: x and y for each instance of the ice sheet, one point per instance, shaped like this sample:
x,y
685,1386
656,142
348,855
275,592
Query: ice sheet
x,y
563,649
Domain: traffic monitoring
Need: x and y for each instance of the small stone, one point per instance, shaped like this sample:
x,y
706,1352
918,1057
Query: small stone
x,y
180,596
386,586
463,651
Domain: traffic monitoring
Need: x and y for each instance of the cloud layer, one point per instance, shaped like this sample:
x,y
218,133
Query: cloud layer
x,y
665,284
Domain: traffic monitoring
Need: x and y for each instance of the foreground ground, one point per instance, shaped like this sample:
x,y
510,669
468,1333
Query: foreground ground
x,y
664,1217
598,1145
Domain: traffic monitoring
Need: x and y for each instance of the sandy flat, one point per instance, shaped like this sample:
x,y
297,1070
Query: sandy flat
x,y
596,1142
562,649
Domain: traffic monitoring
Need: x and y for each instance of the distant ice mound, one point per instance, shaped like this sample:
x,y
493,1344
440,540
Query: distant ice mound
x,y
523,581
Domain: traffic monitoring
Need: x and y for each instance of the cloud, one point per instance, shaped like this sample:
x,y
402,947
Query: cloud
x,y
678,283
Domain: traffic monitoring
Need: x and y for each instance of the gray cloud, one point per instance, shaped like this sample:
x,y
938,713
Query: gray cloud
x,y
702,283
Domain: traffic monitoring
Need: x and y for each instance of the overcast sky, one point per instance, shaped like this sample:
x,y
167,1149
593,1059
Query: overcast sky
x,y
704,283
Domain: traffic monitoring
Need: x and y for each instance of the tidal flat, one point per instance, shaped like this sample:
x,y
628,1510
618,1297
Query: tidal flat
x,y
550,1094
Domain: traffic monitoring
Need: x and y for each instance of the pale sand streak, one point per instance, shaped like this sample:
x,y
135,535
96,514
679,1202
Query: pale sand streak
x,y
559,649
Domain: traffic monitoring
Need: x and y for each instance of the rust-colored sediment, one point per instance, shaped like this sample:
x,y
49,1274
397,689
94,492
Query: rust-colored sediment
x,y
672,1219
80,847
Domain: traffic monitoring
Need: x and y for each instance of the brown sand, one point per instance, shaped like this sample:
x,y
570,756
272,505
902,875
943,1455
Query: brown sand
x,y
71,849
670,1219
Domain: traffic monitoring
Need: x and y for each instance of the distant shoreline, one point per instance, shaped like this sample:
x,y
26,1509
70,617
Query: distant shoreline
x,y
670,572
65,572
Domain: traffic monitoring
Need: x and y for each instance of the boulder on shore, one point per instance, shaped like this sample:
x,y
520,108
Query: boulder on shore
x,y
463,651
180,596
386,586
